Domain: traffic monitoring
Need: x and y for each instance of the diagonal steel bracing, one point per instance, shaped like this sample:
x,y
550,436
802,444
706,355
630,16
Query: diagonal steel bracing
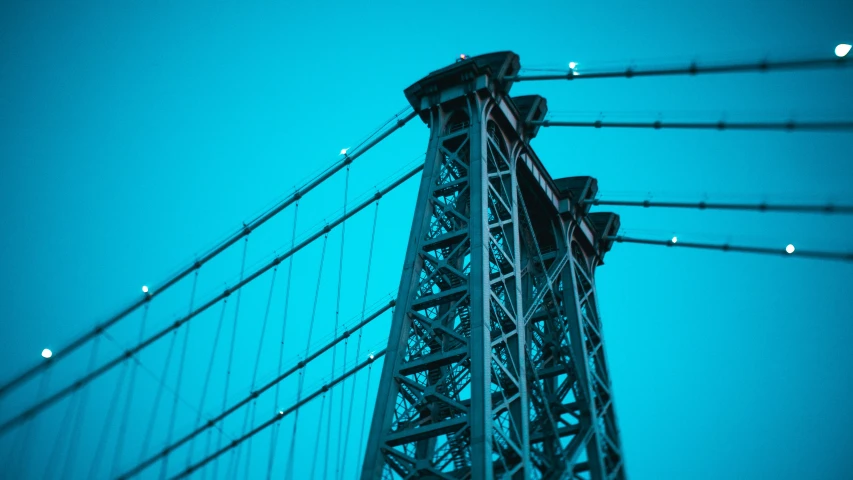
x,y
495,365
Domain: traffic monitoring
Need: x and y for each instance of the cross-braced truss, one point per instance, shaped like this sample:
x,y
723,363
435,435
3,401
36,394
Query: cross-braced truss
x,y
483,375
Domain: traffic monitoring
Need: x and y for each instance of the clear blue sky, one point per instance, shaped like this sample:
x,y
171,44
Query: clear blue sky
x,y
134,135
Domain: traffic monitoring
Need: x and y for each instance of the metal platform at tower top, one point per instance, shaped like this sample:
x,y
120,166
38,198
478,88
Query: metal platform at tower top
x,y
495,364
495,71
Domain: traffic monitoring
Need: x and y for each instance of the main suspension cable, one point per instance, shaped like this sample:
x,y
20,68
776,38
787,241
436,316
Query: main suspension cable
x,y
39,407
695,69
234,238
759,207
789,126
255,394
789,251
281,414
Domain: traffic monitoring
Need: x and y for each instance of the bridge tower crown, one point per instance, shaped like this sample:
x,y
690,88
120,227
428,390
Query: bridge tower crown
x,y
495,364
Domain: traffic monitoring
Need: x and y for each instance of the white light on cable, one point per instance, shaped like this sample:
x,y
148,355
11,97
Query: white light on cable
x,y
281,412
370,356
572,65
789,248
674,239
842,50
145,289
344,151
46,353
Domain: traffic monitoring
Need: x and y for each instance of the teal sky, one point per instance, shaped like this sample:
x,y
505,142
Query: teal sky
x,y
136,135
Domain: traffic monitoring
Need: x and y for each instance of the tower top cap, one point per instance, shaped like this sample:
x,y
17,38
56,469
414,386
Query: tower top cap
x,y
496,67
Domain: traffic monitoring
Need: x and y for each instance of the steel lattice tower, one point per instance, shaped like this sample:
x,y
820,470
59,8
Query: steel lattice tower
x,y
495,365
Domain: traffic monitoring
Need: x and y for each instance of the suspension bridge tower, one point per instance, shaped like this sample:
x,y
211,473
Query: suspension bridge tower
x,y
495,366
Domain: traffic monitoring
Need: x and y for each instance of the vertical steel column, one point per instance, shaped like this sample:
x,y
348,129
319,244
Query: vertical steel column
x,y
480,412
604,456
494,368
384,412
430,414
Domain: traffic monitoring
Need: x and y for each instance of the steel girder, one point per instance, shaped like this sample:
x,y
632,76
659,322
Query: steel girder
x,y
495,363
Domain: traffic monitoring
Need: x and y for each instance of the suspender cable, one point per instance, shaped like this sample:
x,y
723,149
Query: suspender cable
x,y
274,432
231,350
204,389
213,421
760,207
303,371
155,291
254,408
128,401
174,414
36,409
281,414
358,345
108,422
17,458
319,434
364,414
255,374
341,419
207,384
789,126
847,257
77,422
695,69
254,379
153,420
63,429
335,350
